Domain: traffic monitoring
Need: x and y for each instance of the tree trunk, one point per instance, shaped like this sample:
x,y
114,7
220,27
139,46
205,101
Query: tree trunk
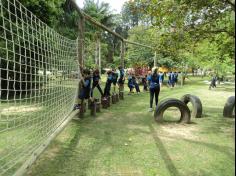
x,y
99,57
97,51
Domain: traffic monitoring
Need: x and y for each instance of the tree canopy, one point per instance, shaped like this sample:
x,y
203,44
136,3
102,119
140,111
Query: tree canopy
x,y
196,33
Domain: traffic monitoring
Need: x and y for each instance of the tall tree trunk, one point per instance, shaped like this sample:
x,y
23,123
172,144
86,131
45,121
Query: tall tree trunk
x,y
99,57
97,51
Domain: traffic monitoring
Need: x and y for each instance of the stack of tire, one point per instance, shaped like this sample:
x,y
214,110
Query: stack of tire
x,y
182,106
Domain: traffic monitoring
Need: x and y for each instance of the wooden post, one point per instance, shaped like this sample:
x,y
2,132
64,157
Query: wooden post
x,y
96,52
81,41
122,55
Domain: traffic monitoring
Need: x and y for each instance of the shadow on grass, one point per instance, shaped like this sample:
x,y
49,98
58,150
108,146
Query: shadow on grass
x,y
225,89
174,122
64,158
164,154
228,151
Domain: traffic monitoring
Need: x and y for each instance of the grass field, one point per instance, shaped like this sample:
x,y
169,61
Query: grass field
x,y
126,141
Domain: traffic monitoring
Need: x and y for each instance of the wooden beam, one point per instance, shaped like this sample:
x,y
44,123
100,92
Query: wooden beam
x,y
138,44
96,23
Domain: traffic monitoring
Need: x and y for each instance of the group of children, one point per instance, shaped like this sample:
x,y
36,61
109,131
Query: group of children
x,y
133,84
151,82
132,81
173,79
92,79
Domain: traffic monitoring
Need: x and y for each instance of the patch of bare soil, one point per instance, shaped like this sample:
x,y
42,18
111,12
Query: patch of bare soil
x,y
174,131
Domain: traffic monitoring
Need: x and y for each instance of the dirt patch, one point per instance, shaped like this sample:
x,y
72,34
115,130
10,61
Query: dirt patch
x,y
52,152
174,131
127,171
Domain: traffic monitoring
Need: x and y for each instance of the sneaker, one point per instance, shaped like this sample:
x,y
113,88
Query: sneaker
x,y
76,107
150,110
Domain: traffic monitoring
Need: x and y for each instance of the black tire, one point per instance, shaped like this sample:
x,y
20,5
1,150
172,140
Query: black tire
x,y
197,105
229,108
165,104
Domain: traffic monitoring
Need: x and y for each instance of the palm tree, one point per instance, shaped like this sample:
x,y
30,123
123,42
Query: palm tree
x,y
101,12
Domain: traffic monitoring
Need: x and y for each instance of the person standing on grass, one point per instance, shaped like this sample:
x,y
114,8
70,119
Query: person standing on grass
x,y
130,84
213,82
144,82
171,79
96,82
154,87
162,77
176,78
135,84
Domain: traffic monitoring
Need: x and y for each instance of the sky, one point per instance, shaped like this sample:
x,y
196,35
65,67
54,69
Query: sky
x,y
115,4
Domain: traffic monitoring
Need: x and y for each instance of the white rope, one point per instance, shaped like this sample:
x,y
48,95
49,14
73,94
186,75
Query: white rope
x,y
39,78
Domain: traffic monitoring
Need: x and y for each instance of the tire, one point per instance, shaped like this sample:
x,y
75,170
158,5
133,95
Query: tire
x,y
197,105
165,104
229,108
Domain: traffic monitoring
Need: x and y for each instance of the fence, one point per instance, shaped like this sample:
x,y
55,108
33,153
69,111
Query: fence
x,y
39,72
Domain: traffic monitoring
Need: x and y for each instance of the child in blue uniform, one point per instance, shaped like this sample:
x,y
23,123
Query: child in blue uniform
x,y
154,87
144,82
108,84
130,84
135,84
176,78
96,82
171,79
114,79
162,77
121,80
85,91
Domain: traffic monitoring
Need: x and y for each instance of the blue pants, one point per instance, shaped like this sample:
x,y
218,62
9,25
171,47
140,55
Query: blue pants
x,y
154,92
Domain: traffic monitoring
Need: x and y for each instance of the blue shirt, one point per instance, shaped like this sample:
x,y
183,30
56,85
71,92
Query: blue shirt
x,y
87,83
114,76
130,81
122,73
109,79
154,81
96,78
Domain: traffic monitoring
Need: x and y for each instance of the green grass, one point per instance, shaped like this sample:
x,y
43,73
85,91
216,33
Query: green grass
x,y
125,140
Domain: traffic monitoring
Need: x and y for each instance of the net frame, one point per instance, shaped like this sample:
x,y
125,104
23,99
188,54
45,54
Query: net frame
x,y
39,82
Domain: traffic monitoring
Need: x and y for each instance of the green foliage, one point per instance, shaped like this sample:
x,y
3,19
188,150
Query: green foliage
x,y
194,34
141,55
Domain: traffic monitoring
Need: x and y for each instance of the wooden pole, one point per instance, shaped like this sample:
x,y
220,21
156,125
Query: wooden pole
x,y
138,44
122,59
81,41
96,51
99,57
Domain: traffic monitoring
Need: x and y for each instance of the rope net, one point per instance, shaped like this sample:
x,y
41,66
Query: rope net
x,y
39,78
